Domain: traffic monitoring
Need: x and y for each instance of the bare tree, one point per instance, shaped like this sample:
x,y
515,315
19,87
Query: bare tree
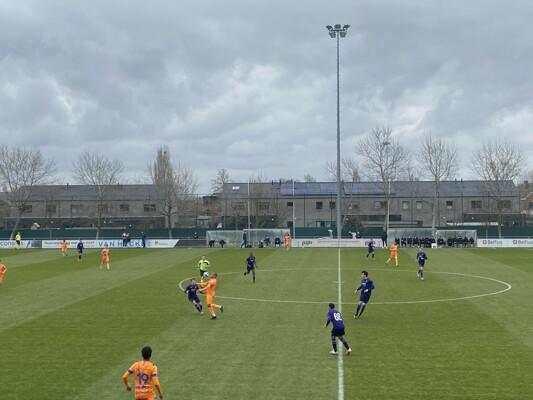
x,y
498,162
349,170
20,170
222,177
174,186
384,159
97,170
438,160
309,178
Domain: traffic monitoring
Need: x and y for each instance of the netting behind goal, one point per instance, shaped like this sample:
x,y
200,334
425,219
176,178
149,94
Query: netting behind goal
x,y
253,237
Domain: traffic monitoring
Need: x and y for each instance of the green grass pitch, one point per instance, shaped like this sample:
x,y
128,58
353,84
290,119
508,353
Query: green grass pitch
x,y
69,330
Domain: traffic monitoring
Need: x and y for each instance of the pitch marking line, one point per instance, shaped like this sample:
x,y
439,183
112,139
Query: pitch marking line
x,y
507,285
340,363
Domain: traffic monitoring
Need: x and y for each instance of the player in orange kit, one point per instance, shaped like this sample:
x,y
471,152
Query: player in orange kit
x,y
393,253
210,288
287,241
3,270
64,247
105,257
146,377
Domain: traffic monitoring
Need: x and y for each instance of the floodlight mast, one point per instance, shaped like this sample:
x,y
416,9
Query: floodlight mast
x,y
338,32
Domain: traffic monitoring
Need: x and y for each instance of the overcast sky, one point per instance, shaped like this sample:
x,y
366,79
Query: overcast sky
x,y
249,85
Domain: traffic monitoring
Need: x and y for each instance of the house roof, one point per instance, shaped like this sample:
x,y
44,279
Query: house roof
x,y
88,192
398,188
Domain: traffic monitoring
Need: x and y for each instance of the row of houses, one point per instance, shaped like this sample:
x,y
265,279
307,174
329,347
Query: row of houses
x,y
279,204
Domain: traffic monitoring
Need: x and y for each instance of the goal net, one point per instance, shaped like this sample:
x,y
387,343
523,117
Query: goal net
x,y
254,237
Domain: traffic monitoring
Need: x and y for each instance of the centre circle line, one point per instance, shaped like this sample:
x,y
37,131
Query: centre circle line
x,y
507,285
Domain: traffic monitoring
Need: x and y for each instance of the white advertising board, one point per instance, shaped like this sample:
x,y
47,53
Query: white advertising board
x,y
505,242
24,244
326,242
112,243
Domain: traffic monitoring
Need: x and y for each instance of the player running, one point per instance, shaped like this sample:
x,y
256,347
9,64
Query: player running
x,y
203,266
393,254
370,251
145,377
210,288
366,287
421,257
191,290
18,240
3,270
64,248
337,330
250,266
79,248
105,257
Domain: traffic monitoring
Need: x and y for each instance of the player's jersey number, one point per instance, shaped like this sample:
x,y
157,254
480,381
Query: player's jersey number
x,y
143,378
337,316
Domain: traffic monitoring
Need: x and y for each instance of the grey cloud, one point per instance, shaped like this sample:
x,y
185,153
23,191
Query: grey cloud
x,y
250,86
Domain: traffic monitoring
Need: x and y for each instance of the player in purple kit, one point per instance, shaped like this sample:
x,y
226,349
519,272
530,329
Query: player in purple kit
x,y
251,264
421,257
191,290
334,317
366,287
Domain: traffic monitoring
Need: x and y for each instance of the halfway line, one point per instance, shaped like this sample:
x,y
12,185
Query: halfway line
x,y
340,363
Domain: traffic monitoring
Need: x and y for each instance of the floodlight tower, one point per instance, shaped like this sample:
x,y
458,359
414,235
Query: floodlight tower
x,y
337,32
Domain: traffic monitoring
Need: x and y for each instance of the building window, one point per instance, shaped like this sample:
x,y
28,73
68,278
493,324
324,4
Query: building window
x,y
353,206
149,208
331,205
476,204
319,205
26,208
263,206
405,205
76,209
289,204
238,206
449,204
125,208
504,204
103,208
379,204
418,205
51,208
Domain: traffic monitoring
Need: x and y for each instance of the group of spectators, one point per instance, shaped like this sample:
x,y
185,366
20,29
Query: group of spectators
x,y
441,242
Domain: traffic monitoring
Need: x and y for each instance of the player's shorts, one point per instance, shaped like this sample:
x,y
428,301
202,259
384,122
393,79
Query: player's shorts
x,y
335,332
364,297
1,278
18,242
249,268
105,260
370,251
421,265
209,299
194,298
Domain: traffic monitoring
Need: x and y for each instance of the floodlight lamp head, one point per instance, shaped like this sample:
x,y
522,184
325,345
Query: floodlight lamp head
x,y
329,27
345,27
332,34
337,26
343,33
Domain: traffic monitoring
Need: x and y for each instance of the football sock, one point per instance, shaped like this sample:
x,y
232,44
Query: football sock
x,y
362,309
334,343
358,309
345,344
